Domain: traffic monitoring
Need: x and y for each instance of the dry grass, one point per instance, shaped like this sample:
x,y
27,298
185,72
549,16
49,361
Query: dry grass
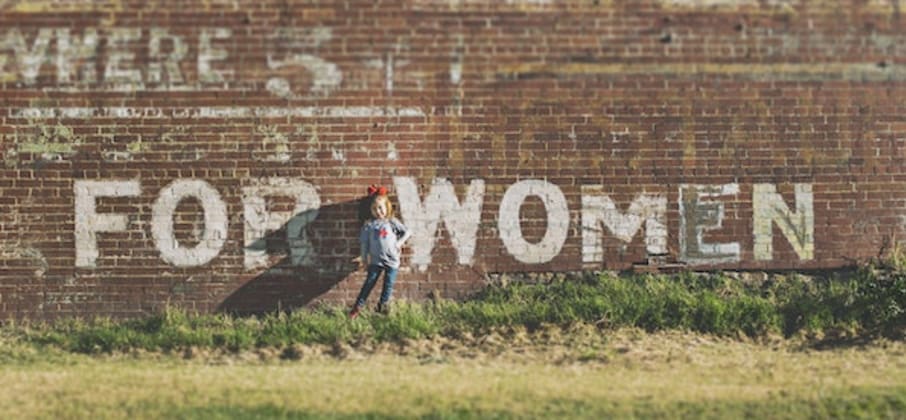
x,y
576,373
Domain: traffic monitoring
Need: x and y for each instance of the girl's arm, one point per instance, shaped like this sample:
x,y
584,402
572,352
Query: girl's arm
x,y
406,233
363,246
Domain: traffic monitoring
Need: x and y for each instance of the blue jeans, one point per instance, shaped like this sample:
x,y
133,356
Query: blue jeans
x,y
374,271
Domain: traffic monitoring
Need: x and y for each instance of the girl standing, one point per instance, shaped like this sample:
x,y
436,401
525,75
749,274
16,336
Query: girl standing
x,y
381,240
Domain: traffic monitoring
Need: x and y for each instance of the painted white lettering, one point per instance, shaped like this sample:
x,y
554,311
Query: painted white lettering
x,y
215,223
121,58
207,53
798,227
599,209
698,216
160,63
557,221
259,221
74,50
441,203
29,59
325,76
88,222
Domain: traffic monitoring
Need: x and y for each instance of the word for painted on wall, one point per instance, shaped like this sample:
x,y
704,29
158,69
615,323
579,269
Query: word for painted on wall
x,y
701,210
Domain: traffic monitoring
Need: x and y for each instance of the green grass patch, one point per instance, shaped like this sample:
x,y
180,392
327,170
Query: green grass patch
x,y
862,404
869,302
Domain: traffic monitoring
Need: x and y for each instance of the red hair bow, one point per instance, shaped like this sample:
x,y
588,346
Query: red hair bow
x,y
377,190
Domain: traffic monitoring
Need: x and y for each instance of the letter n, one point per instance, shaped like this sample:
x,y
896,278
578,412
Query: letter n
x,y
798,227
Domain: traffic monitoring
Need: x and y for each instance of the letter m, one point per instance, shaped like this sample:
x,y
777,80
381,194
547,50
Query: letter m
x,y
599,209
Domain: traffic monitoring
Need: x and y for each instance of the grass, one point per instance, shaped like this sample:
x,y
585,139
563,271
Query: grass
x,y
646,375
579,346
868,303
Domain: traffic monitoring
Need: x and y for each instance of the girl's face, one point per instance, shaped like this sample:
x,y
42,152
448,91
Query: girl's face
x,y
379,208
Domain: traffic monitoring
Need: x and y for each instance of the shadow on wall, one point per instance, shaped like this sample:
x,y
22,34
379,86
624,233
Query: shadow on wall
x,y
319,248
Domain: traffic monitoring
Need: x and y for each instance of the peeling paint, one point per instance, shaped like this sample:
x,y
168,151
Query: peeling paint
x,y
274,143
311,152
120,56
388,64
599,209
167,113
138,146
697,216
456,62
181,138
338,155
458,5
28,59
772,6
52,142
160,64
712,3
58,6
19,250
798,228
259,221
388,76
392,153
325,76
824,71
207,54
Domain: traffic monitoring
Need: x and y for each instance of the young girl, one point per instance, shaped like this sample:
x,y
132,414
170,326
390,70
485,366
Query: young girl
x,y
382,240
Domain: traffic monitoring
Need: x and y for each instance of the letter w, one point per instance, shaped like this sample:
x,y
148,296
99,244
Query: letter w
x,y
461,220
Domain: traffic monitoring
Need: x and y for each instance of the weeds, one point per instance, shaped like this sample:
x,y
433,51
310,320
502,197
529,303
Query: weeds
x,y
870,302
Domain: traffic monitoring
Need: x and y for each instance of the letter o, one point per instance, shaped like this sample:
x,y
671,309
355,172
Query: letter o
x,y
557,221
215,223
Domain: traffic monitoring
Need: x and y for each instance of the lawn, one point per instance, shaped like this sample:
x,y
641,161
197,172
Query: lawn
x,y
573,373
587,346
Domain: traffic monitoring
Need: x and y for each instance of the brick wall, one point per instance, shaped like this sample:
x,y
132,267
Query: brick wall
x,y
212,156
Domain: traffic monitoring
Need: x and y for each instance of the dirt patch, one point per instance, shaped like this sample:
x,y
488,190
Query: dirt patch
x,y
575,344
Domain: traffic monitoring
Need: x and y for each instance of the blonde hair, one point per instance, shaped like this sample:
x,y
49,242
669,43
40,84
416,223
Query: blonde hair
x,y
387,204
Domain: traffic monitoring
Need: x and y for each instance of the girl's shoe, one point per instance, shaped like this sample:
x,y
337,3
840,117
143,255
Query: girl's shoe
x,y
354,312
383,308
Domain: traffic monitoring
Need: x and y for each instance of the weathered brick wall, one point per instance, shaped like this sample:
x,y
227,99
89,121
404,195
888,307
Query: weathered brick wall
x,y
212,155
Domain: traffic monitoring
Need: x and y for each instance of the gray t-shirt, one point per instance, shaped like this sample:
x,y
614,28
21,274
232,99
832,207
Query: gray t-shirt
x,y
380,238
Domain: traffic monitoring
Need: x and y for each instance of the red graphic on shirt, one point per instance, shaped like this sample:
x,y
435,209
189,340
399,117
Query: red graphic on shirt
x,y
383,232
